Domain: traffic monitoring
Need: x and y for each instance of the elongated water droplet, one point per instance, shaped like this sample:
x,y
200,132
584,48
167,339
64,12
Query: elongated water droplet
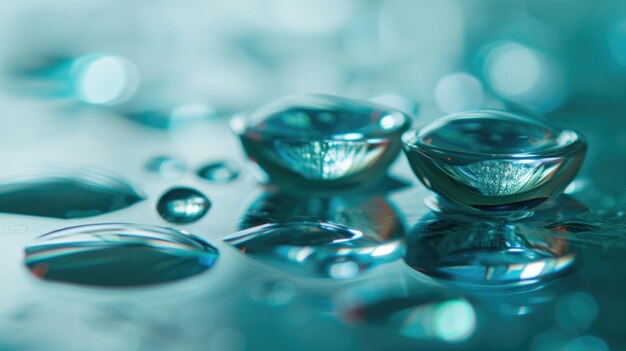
x,y
167,167
183,205
118,255
219,172
64,192
313,248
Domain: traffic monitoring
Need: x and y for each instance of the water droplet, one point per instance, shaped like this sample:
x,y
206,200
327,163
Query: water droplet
x,y
480,253
64,192
167,167
219,172
322,140
494,160
314,248
170,116
183,205
118,255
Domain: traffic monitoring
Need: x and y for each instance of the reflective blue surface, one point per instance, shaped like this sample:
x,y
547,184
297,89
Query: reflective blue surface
x,y
70,96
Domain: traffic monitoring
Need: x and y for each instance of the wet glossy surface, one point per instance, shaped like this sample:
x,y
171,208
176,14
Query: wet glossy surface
x,y
247,302
385,304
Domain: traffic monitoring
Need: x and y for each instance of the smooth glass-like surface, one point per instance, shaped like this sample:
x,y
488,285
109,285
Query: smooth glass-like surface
x,y
64,192
118,255
319,140
183,205
494,160
493,132
315,248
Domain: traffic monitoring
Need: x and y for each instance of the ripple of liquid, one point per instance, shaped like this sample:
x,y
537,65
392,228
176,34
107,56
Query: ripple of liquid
x,y
183,205
118,255
65,193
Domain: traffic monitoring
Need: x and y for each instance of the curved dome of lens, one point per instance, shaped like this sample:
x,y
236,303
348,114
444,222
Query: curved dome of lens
x,y
493,132
118,255
495,161
319,117
64,192
322,141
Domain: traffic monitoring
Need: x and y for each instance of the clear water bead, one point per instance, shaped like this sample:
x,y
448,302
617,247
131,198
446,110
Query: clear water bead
x,y
183,205
64,192
219,172
494,160
315,248
118,255
167,167
316,140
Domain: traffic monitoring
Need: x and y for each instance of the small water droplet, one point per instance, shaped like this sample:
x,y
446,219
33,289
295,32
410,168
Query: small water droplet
x,y
481,253
118,255
494,160
321,140
219,172
64,192
167,167
183,205
315,248
170,116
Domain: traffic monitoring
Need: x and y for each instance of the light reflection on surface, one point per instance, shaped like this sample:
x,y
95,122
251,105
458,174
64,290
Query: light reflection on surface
x,y
106,80
524,75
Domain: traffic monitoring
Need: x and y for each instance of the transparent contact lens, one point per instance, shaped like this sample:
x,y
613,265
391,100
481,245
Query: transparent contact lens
x,y
317,140
493,160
